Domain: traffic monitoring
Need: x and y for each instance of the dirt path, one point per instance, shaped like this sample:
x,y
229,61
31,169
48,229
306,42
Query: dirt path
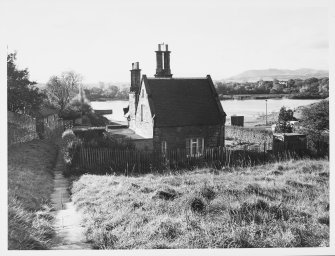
x,y
69,232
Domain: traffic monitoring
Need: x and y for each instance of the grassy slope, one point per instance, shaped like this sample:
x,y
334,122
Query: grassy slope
x,y
30,184
277,205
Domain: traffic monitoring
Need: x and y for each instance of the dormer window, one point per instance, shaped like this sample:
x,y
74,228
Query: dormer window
x,y
142,93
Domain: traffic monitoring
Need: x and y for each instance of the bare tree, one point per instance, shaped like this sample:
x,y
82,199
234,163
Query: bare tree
x,y
61,90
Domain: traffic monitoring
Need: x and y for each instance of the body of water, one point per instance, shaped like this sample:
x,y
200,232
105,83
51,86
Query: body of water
x,y
250,109
116,105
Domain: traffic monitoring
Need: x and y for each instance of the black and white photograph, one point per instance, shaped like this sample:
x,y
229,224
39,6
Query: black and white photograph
x,y
168,127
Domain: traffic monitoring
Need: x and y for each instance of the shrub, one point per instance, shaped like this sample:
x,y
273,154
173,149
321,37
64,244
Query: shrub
x,y
285,115
97,120
314,123
68,135
70,152
166,194
98,137
197,205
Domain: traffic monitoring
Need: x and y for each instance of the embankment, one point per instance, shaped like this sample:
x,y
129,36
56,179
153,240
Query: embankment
x,y
30,184
285,204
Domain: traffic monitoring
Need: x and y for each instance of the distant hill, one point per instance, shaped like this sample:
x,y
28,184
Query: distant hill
x,y
280,74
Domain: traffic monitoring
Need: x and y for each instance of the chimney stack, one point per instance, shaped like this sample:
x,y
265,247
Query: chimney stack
x,y
159,61
135,77
163,62
167,70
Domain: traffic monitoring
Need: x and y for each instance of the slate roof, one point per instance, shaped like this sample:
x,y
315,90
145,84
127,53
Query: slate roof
x,y
183,101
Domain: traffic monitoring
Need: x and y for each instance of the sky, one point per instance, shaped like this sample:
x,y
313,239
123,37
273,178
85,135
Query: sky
x,y
101,38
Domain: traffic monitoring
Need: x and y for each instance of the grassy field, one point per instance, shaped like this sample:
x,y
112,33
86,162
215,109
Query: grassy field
x,y
30,184
277,205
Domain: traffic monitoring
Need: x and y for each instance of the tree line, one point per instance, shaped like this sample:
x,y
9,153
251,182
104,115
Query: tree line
x,y
106,92
314,122
296,88
62,92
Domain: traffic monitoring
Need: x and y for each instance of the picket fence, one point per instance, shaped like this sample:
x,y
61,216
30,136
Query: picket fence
x,y
105,160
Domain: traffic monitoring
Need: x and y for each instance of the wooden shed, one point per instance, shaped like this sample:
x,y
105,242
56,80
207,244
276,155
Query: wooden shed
x,y
289,142
237,120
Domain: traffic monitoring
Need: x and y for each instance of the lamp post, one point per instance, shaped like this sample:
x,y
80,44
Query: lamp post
x,y
266,112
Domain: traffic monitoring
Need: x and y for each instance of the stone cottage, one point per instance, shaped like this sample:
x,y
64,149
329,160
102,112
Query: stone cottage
x,y
177,113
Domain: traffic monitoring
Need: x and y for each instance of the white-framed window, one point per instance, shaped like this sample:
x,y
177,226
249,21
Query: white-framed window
x,y
164,148
142,109
194,146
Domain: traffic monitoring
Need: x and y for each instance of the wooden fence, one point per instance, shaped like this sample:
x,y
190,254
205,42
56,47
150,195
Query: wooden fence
x,y
105,160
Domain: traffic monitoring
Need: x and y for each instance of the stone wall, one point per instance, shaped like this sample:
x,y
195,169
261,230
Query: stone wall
x,y
21,128
176,136
144,127
132,110
251,135
23,121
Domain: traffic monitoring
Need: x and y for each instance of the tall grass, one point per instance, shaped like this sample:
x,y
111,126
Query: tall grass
x,y
30,184
284,204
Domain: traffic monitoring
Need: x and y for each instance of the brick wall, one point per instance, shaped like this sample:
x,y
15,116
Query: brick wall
x,y
176,136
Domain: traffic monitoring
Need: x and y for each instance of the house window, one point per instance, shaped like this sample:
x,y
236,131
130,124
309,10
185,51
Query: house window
x,y
194,146
142,109
164,148
142,93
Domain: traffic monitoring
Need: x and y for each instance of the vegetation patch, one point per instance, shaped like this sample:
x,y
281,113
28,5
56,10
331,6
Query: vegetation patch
x,y
30,184
166,194
226,210
296,184
277,173
196,205
207,192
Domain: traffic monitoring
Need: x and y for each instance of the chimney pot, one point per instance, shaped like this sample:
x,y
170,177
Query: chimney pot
x,y
166,47
159,47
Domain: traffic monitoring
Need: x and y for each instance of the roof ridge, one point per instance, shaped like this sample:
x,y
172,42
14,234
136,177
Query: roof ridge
x,y
174,78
